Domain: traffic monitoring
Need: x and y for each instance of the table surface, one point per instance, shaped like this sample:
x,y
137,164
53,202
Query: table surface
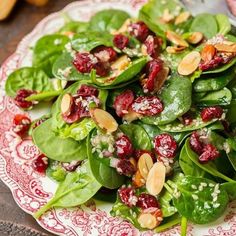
x,y
13,221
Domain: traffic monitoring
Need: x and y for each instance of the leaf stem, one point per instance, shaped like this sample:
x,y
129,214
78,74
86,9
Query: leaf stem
x,y
167,225
43,95
184,225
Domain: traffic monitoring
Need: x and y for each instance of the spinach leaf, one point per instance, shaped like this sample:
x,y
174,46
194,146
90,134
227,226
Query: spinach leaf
x,y
75,27
168,222
108,20
77,188
27,78
65,70
47,49
104,174
205,23
137,135
230,188
221,97
57,148
91,39
176,97
165,200
223,22
198,206
55,171
231,114
232,159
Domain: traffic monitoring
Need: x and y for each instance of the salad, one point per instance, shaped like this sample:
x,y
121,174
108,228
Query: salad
x,y
142,114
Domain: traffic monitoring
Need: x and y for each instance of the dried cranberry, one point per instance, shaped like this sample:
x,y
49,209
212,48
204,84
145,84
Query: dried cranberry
x,y
195,143
147,105
124,147
105,54
123,102
20,98
84,62
152,69
152,44
139,153
127,196
21,124
146,201
70,166
125,167
102,68
120,41
165,145
210,153
40,164
207,65
86,90
210,113
139,30
187,119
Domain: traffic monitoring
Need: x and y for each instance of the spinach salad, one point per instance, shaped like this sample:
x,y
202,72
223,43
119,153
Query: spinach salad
x,y
142,114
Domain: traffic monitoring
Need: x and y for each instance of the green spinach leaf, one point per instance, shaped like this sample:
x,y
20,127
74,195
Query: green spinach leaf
x,y
223,22
75,27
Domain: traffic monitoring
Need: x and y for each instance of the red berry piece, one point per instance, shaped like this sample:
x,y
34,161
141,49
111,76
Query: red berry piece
x,y
123,102
210,113
210,153
139,153
125,167
124,147
120,41
20,98
40,164
195,143
71,166
84,62
21,124
146,201
86,90
139,30
105,54
153,46
208,65
187,119
147,105
102,68
165,145
127,196
152,69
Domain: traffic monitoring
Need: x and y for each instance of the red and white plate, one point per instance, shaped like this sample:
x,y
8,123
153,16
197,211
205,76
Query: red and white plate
x,y
32,190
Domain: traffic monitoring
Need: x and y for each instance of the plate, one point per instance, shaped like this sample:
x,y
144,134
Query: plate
x,y
32,190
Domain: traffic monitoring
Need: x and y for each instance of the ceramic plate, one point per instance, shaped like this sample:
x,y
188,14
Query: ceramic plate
x,y
31,190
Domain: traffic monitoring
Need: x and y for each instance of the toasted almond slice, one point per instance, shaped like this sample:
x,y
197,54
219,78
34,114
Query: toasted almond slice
x,y
145,163
174,49
121,63
66,103
104,120
208,52
147,221
189,63
182,17
176,38
133,162
161,78
167,17
131,116
156,178
226,47
195,38
138,180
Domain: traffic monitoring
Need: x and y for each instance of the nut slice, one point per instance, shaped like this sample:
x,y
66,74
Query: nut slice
x,y
104,120
176,38
195,38
189,63
208,52
145,163
147,221
226,47
167,17
66,103
182,17
156,178
137,180
131,116
175,49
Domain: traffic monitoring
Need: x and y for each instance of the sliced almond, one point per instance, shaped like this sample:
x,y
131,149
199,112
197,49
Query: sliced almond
x,y
189,63
226,47
175,49
195,38
69,34
156,178
182,17
167,17
145,163
208,52
161,78
66,103
104,120
147,221
133,162
176,38
121,63
131,116
138,180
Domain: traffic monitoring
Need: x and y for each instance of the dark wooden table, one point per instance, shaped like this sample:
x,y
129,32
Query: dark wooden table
x,y
13,221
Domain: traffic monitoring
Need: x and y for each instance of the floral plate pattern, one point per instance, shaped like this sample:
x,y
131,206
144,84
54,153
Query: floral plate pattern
x,y
31,190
